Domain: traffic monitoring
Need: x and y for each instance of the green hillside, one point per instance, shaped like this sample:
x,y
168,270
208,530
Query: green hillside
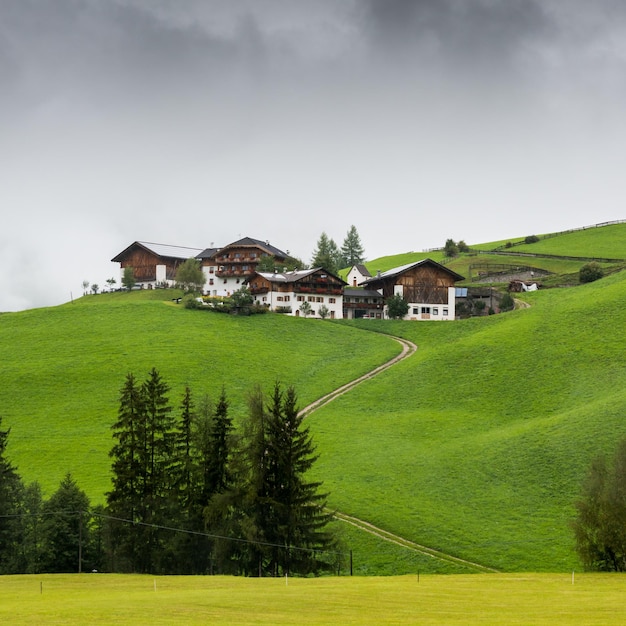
x,y
476,445
62,369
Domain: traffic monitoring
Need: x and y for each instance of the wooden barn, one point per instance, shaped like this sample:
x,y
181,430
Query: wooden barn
x,y
426,285
154,264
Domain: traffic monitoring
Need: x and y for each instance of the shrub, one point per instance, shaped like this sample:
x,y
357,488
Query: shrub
x,y
190,302
506,302
531,239
397,306
590,272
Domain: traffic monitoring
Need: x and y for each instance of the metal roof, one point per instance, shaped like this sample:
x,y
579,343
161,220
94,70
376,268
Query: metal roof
x,y
161,250
294,275
396,271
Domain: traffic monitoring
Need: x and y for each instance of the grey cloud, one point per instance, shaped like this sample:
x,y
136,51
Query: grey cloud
x,y
456,35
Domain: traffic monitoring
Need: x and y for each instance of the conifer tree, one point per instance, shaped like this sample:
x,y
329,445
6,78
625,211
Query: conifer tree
x,y
11,492
352,252
143,471
296,516
125,498
326,254
65,528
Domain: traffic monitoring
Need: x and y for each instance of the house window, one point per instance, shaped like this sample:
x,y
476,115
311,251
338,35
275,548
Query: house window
x,y
331,300
318,299
253,255
237,255
225,280
425,310
415,310
210,281
300,298
445,311
435,311
279,298
237,280
287,298
211,270
311,299
245,268
264,298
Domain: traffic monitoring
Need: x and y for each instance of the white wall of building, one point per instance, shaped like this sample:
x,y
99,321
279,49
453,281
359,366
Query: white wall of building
x,y
275,299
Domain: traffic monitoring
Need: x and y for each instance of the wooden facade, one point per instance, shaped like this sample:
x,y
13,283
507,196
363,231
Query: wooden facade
x,y
153,263
425,281
240,258
288,291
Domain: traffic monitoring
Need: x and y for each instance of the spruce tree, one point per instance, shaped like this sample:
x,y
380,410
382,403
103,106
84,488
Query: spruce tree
x,y
144,474
65,528
352,252
158,460
296,517
326,254
124,501
11,495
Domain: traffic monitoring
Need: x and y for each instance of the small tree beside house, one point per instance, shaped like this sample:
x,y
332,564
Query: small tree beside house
x,y
128,278
397,306
190,276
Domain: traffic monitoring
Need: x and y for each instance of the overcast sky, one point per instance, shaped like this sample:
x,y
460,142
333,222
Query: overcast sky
x,y
197,122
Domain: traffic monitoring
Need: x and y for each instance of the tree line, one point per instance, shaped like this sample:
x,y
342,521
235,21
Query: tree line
x,y
190,494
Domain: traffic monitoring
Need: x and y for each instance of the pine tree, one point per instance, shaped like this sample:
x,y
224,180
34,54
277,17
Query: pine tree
x,y
124,501
158,460
352,252
326,254
144,476
65,528
296,517
11,495
184,450
31,534
222,427
243,507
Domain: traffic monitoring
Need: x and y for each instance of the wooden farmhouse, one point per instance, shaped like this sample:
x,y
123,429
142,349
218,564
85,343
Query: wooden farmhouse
x,y
154,264
227,268
286,292
426,285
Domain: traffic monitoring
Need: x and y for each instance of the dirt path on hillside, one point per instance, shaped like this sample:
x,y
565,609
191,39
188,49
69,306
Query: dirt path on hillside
x,y
408,348
411,545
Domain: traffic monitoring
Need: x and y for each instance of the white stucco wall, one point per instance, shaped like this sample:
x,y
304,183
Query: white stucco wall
x,y
272,300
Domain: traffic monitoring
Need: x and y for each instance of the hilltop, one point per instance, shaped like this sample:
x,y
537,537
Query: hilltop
x,y
476,445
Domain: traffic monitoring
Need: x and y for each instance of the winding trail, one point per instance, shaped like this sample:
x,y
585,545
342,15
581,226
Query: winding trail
x,y
408,348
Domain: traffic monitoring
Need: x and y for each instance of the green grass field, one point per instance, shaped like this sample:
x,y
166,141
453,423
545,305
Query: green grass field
x,y
62,369
475,446
564,599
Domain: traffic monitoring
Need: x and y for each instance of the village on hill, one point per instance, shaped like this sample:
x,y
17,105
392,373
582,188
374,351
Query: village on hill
x,y
427,286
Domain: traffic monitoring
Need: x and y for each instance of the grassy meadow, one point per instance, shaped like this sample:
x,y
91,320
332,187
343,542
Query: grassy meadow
x,y
62,369
476,445
579,600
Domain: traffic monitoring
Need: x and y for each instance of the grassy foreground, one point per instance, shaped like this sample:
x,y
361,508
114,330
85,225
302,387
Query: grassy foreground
x,y
584,599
